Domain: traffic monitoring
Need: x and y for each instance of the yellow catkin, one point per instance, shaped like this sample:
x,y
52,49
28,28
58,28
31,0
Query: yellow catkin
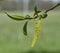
x,y
37,31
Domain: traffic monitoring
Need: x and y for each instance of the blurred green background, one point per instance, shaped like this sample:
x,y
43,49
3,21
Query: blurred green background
x,y
12,39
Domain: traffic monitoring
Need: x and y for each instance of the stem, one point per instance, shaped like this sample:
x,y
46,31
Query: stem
x,y
52,8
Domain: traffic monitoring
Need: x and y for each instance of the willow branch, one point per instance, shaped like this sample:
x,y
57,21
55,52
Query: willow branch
x,y
52,8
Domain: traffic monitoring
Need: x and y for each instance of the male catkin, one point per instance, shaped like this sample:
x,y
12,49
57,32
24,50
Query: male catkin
x,y
37,31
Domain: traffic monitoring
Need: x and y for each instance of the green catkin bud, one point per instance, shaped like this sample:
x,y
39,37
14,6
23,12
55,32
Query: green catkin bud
x,y
42,15
37,31
27,17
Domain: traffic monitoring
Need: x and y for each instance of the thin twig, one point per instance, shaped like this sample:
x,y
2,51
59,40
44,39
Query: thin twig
x,y
52,8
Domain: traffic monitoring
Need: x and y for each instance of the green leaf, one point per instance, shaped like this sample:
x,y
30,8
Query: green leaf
x,y
15,17
25,28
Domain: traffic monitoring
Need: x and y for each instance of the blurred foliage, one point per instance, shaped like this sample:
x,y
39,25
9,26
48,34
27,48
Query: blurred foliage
x,y
12,39
1,0
14,5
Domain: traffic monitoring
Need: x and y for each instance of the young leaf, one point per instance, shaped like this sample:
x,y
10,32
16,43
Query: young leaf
x,y
36,12
35,9
15,17
25,28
